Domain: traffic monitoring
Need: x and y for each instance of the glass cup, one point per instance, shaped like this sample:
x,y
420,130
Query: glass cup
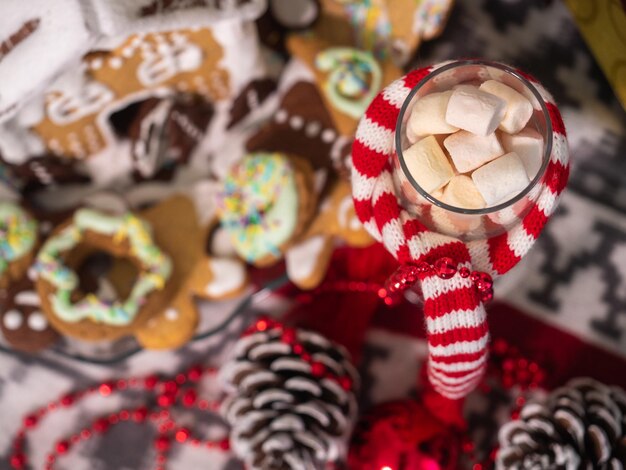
x,y
469,224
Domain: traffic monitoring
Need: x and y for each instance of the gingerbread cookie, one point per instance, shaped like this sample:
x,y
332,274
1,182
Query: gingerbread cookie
x,y
23,324
90,317
201,276
47,171
302,126
18,239
165,132
348,77
266,203
336,223
249,99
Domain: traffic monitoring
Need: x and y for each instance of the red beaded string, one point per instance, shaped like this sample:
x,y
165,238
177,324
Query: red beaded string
x,y
512,371
169,392
407,275
290,337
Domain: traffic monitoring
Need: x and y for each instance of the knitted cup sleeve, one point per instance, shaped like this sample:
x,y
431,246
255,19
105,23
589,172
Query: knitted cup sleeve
x,y
455,317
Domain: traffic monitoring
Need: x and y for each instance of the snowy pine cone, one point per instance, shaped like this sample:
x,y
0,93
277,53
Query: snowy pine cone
x,y
580,426
291,402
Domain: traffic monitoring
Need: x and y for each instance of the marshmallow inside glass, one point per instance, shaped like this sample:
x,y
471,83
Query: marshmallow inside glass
x,y
472,141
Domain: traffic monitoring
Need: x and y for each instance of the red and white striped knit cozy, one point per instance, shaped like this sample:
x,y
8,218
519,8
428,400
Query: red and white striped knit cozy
x,y
456,321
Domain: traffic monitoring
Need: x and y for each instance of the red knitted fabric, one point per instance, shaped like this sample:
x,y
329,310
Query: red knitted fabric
x,y
455,317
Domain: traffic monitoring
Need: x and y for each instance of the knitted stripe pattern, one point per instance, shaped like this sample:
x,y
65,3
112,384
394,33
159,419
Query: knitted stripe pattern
x,y
455,317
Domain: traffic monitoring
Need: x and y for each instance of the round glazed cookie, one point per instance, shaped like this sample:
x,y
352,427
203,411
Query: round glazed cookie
x,y
18,237
266,202
23,324
88,316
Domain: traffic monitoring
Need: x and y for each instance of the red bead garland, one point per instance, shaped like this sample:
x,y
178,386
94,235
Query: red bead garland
x,y
169,392
407,275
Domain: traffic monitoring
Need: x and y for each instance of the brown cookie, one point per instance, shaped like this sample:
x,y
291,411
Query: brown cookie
x,y
123,278
202,277
165,132
302,126
336,223
22,322
267,202
250,98
47,171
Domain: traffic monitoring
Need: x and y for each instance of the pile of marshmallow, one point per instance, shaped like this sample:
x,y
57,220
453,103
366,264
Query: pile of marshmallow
x,y
470,147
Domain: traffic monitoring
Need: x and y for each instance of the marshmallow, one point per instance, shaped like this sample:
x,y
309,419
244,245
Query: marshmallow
x,y
501,180
474,110
428,164
429,115
528,145
518,108
469,151
462,192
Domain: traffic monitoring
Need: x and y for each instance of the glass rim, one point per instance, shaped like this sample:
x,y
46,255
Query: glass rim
x,y
547,151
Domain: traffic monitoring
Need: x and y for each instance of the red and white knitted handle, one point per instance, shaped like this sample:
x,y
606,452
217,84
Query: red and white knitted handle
x,y
455,317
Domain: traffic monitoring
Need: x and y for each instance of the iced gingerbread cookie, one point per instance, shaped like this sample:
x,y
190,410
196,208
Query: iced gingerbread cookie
x,y
200,276
348,77
165,132
266,203
141,292
23,324
18,239
303,126
336,223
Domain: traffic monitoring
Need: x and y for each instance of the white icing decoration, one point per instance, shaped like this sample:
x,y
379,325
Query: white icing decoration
x,y
228,276
312,129
346,215
303,258
28,297
171,314
304,385
87,99
12,320
272,349
221,244
18,143
170,60
328,135
147,149
296,122
337,414
37,321
281,116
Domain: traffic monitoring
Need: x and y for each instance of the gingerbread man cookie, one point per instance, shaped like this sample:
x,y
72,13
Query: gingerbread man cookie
x,y
23,324
336,223
303,126
202,276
